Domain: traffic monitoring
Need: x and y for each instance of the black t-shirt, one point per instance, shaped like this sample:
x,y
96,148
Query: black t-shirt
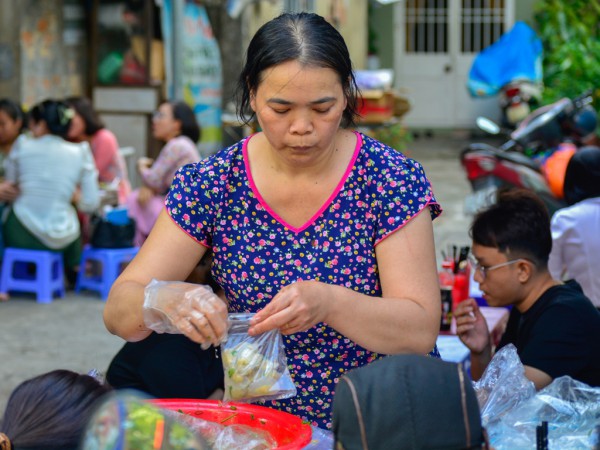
x,y
559,334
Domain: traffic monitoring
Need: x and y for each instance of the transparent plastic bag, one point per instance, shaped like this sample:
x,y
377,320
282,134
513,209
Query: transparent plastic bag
x,y
570,407
502,386
255,366
511,409
226,437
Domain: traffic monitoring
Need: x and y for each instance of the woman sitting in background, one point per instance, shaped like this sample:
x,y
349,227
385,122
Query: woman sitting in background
x,y
12,123
48,171
175,124
86,126
50,411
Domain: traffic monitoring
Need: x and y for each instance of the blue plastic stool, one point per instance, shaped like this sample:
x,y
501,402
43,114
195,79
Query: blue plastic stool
x,y
47,279
111,260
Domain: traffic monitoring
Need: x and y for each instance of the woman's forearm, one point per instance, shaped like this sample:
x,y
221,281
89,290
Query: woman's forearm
x,y
123,313
383,325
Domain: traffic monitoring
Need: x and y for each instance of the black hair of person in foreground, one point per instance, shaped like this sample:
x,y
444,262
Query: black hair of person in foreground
x,y
171,365
50,411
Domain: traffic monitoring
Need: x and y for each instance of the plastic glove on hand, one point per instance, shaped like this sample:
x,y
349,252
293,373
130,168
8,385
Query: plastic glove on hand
x,y
194,310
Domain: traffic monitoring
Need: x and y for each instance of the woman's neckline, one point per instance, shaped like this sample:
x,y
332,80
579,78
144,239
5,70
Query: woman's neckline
x,y
326,203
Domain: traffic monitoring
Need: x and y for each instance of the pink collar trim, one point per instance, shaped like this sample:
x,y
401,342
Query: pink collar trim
x,y
325,205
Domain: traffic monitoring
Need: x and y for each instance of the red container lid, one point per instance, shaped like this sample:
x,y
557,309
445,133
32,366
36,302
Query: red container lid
x,y
289,431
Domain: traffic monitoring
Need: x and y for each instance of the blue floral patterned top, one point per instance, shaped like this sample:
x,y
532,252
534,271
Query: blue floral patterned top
x,y
256,253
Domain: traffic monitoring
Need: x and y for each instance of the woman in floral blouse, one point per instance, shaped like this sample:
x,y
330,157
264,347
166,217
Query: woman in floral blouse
x,y
324,233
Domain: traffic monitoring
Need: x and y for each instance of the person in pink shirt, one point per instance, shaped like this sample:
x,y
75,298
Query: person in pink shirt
x,y
87,126
174,123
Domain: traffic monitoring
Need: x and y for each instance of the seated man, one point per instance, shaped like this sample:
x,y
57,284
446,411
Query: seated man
x,y
554,327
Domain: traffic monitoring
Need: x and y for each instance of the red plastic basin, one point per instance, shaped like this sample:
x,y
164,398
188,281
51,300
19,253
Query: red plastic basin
x,y
289,431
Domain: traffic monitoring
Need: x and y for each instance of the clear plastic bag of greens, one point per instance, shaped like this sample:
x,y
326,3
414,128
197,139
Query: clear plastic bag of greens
x,y
127,420
255,366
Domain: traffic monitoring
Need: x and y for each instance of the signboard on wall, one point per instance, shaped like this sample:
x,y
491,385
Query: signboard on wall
x,y
193,66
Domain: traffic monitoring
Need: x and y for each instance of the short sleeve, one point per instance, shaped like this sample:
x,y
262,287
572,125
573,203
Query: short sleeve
x,y
403,192
191,201
560,226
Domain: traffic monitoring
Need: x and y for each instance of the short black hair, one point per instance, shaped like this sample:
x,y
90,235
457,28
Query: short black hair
x,y
185,114
13,110
582,177
57,115
303,37
84,108
518,225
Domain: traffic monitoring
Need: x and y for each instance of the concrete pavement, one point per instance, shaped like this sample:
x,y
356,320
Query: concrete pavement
x,y
69,333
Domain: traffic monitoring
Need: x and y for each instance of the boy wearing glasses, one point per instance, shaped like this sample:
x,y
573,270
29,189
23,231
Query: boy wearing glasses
x,y
554,327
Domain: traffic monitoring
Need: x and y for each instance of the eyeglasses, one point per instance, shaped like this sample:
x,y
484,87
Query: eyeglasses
x,y
483,270
157,115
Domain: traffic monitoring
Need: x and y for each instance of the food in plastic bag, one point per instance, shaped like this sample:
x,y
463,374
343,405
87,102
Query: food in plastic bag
x,y
255,366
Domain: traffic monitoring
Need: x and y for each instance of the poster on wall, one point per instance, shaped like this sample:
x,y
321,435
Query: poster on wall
x,y
197,77
44,69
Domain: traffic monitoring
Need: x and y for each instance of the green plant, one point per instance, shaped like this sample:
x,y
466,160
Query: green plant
x,y
570,35
372,34
395,135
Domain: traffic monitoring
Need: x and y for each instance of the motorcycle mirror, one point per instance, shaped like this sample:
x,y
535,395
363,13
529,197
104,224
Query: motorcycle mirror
x,y
487,125
126,420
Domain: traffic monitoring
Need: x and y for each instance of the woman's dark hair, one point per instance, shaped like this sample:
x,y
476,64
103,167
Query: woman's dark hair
x,y
51,411
582,177
14,111
84,108
189,124
57,115
518,225
303,37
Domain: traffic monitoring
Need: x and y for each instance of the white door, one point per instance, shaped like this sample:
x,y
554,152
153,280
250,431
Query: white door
x,y
435,42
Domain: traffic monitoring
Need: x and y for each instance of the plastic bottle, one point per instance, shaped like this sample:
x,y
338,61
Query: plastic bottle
x,y
446,277
460,291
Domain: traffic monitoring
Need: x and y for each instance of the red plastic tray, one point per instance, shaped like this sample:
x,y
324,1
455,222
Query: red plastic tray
x,y
289,431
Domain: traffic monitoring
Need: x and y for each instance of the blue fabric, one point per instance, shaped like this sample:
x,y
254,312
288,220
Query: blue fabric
x,y
516,55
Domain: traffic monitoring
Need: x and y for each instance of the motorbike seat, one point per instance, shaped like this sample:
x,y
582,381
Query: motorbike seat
x,y
519,158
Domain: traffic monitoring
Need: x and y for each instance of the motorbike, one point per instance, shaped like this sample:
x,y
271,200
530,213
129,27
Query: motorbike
x,y
533,157
517,99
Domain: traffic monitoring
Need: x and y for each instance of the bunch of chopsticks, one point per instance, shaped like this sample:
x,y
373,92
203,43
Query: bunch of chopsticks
x,y
458,256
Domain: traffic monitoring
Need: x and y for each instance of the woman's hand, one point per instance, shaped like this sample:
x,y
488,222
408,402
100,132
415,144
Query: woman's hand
x,y
144,163
471,326
8,191
296,307
186,308
145,194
